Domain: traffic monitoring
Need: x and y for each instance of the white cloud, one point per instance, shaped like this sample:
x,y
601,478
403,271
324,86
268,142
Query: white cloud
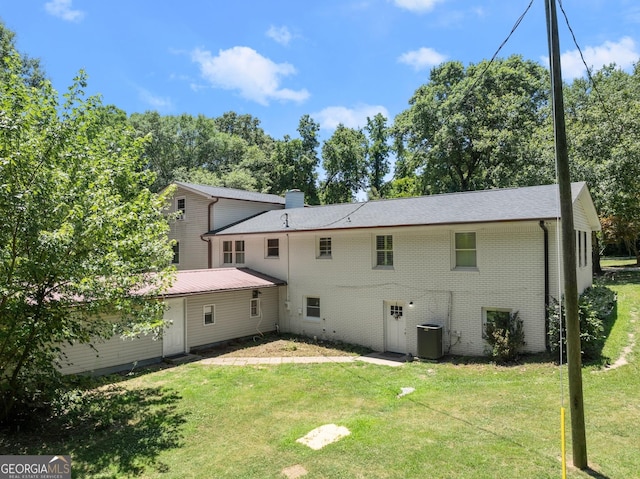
x,y
243,69
418,6
623,53
422,58
330,117
280,35
157,102
62,9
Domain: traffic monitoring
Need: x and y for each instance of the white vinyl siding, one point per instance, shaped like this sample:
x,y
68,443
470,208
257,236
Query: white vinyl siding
x,y
232,318
110,353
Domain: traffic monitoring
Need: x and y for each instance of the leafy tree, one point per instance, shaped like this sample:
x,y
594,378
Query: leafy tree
x,y
344,160
82,235
472,128
377,154
30,69
603,123
294,162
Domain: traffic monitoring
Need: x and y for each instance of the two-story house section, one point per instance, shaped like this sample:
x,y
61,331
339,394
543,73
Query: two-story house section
x,y
370,273
202,209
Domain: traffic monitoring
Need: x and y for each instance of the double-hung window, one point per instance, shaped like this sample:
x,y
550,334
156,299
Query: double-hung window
x,y
181,207
273,248
227,252
239,251
324,247
312,307
254,308
384,250
497,317
176,253
209,314
465,250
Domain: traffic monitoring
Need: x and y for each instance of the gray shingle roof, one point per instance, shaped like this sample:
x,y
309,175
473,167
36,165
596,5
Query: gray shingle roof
x,y
514,204
231,193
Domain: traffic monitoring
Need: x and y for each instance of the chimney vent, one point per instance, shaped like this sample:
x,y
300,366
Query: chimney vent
x,y
294,199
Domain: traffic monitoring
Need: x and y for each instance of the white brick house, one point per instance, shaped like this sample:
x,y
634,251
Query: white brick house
x,y
365,273
370,273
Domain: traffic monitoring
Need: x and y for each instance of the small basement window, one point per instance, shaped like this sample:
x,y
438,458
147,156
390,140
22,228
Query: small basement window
x,y
313,308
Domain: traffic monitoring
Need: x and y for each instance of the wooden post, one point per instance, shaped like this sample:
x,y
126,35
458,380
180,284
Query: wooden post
x,y
574,359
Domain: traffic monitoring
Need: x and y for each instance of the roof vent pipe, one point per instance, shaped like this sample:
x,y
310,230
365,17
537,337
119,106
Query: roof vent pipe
x,y
294,199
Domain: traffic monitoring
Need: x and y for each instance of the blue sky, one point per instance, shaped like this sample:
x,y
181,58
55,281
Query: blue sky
x,y
336,60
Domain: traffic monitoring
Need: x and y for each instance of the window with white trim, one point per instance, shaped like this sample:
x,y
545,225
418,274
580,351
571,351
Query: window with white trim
x,y
176,253
384,250
496,316
324,247
581,238
254,308
229,248
227,252
273,248
209,314
181,207
239,251
465,250
312,307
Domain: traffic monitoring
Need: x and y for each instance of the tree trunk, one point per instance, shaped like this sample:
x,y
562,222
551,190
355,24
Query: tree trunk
x,y
595,255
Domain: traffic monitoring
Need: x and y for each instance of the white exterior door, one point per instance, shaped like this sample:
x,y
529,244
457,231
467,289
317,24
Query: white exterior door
x,y
395,327
173,334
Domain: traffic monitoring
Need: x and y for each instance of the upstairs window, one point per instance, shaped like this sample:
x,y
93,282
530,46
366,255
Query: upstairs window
x,y
324,247
227,252
384,250
240,252
181,207
273,248
176,253
465,250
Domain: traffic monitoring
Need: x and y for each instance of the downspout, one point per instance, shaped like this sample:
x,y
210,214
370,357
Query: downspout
x,y
208,239
546,284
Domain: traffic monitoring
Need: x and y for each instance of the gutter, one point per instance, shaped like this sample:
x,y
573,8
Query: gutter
x,y
208,239
546,284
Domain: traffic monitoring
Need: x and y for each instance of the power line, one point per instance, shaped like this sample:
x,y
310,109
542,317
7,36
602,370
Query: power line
x,y
587,67
495,55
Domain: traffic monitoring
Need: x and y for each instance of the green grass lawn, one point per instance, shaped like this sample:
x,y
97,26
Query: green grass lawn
x,y
466,419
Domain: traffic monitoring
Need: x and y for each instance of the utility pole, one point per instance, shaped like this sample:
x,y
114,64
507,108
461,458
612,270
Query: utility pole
x,y
574,359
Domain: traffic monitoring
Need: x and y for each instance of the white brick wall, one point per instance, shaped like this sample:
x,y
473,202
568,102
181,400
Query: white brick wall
x,y
510,275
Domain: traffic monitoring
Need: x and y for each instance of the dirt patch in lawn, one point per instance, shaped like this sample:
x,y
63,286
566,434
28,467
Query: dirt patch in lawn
x,y
272,345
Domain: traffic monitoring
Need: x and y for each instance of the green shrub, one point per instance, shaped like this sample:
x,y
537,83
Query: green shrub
x,y
505,335
594,307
